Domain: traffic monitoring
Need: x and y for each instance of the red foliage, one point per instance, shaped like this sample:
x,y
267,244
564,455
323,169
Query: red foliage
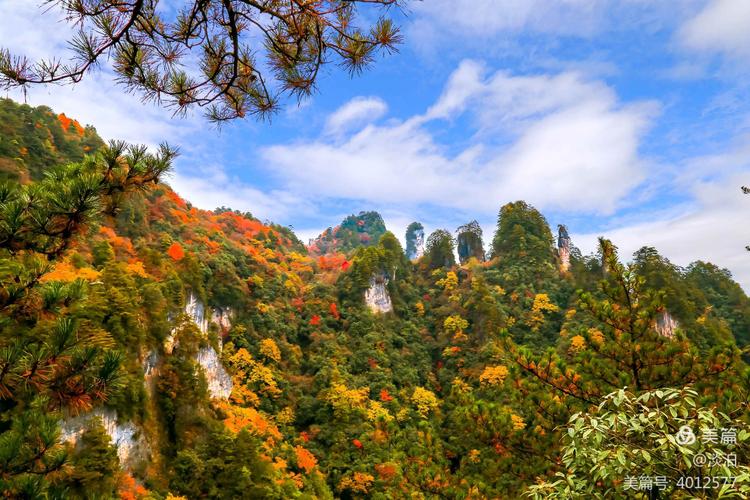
x,y
385,396
345,265
305,436
357,443
335,310
175,251
315,320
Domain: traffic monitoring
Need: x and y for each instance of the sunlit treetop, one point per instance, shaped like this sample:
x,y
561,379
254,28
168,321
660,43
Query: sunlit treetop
x,y
233,58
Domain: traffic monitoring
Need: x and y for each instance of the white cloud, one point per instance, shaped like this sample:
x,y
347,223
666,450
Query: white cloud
x,y
544,138
213,186
722,26
711,230
356,112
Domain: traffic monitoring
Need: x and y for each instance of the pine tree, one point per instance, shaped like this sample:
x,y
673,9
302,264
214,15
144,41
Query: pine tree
x,y
222,44
51,358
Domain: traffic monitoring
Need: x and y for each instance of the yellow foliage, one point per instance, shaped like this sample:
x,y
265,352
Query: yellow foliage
x,y
359,482
285,416
376,412
425,401
262,307
345,400
518,423
449,283
474,455
577,343
136,267
596,336
460,386
420,308
493,375
269,349
455,324
541,305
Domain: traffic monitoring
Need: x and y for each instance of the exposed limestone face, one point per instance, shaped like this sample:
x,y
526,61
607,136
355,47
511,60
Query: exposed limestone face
x,y
666,325
197,311
126,437
563,247
199,314
219,382
377,297
222,318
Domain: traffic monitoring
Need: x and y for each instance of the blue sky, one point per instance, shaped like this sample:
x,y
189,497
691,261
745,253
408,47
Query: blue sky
x,y
624,118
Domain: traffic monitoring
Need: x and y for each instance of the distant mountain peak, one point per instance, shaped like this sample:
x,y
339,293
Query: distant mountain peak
x,y
363,229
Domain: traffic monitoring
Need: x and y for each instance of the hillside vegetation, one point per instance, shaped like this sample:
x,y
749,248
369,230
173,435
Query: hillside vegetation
x,y
232,361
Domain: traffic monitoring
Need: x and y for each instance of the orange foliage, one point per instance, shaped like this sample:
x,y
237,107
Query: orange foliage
x,y
386,471
248,418
385,396
118,242
175,251
315,320
175,198
357,443
64,271
305,459
129,489
180,215
67,122
135,266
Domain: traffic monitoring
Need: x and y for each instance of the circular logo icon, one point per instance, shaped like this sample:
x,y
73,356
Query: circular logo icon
x,y
685,435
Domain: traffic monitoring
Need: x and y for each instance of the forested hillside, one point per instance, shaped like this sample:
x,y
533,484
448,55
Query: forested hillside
x,y
151,349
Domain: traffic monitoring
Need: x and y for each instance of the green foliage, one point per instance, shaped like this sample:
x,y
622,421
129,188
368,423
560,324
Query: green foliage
x,y
522,234
364,229
439,249
95,466
52,356
33,140
630,435
469,242
464,391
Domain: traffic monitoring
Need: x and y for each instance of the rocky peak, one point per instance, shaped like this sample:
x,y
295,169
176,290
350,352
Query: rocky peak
x,y
665,324
563,247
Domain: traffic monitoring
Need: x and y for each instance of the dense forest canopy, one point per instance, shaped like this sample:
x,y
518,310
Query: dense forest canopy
x,y
151,349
